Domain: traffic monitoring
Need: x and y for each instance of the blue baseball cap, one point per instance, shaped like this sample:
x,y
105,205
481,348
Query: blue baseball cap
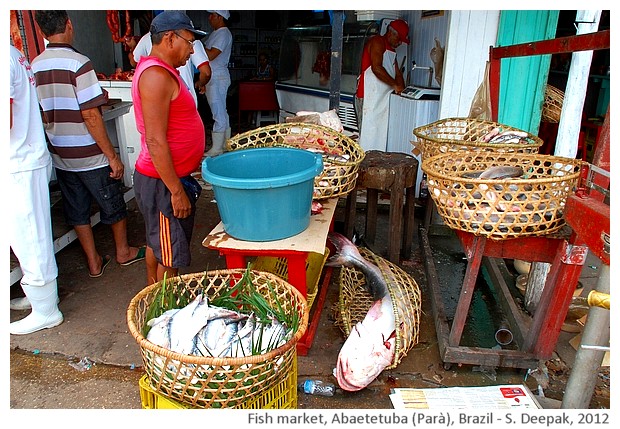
x,y
174,20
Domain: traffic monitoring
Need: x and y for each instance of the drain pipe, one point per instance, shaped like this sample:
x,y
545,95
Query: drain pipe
x,y
503,335
589,357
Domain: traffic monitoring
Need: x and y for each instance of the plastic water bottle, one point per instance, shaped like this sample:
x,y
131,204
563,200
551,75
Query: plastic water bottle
x,y
317,387
423,188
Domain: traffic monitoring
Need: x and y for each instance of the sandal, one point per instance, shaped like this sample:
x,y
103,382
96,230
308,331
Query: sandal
x,y
139,256
104,263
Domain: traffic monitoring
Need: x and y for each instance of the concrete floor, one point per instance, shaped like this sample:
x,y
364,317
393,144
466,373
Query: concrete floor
x,y
43,373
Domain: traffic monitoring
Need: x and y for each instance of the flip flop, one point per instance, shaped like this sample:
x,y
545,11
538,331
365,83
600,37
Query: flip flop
x,y
106,260
139,256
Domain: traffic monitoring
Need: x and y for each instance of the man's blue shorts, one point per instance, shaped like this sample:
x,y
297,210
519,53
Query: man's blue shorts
x,y
80,188
169,237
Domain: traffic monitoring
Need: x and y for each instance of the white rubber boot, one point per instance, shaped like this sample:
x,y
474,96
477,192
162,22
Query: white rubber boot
x,y
218,144
45,312
22,303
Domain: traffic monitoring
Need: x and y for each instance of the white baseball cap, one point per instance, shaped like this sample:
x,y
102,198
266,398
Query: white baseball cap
x,y
223,13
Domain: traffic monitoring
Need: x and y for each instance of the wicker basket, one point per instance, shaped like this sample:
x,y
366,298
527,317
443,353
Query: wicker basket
x,y
466,134
501,208
208,382
552,106
341,155
282,396
354,302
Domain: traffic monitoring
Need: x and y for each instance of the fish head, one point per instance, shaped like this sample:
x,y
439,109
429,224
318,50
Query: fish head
x,y
364,355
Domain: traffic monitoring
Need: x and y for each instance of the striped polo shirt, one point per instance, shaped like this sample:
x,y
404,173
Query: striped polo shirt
x,y
67,84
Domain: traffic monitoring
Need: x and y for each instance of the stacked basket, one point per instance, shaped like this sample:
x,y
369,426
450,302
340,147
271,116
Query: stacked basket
x,y
465,134
355,301
341,155
457,150
219,382
529,205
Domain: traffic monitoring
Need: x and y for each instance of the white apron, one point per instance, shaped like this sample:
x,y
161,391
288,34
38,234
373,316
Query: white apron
x,y
376,108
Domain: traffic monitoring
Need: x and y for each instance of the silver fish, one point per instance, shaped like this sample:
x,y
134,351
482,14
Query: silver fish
x,y
160,329
501,172
186,323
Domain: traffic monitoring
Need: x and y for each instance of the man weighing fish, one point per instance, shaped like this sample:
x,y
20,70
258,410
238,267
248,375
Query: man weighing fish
x,y
379,76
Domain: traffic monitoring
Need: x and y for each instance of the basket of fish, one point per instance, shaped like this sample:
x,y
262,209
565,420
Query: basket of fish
x,y
379,310
341,155
218,339
466,134
501,195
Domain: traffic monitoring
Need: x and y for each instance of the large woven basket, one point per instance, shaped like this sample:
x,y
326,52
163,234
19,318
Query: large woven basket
x,y
466,134
354,302
209,382
341,155
552,105
501,208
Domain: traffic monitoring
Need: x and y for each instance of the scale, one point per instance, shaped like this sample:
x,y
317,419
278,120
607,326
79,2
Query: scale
x,y
420,93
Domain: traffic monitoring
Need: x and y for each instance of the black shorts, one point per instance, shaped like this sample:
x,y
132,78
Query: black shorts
x,y
168,236
80,188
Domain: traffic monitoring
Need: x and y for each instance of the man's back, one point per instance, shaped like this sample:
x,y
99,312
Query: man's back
x,y
66,85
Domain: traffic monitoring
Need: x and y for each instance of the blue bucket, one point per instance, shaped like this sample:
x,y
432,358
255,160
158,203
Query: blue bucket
x,y
263,194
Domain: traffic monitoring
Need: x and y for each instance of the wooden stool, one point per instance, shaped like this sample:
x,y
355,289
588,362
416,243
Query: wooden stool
x,y
391,172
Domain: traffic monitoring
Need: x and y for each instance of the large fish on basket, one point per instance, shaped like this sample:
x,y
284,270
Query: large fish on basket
x,y
370,347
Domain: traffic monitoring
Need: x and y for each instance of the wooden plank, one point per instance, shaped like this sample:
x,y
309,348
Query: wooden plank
x,y
474,257
490,357
555,300
372,199
569,44
439,314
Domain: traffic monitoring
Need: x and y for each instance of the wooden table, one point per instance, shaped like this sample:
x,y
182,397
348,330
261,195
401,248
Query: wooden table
x,y
537,337
294,249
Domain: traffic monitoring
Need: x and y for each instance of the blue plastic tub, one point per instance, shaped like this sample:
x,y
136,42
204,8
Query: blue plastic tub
x,y
263,194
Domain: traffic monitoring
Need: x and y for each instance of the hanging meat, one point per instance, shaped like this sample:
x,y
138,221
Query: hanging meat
x,y
114,25
322,65
16,35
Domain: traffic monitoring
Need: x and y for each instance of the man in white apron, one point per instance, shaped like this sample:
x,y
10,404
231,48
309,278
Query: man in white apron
x,y
379,76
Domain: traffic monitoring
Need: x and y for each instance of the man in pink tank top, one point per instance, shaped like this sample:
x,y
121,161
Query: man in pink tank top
x,y
172,146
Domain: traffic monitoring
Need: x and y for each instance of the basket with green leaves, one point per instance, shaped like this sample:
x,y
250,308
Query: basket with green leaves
x,y
186,367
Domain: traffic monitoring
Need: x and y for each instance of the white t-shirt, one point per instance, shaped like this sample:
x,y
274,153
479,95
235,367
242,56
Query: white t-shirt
x,y
28,146
222,40
199,57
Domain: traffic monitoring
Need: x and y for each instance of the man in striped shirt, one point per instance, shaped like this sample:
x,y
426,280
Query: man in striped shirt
x,y
87,166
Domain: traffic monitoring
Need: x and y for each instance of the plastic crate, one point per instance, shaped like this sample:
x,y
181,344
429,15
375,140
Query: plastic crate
x,y
281,396
279,267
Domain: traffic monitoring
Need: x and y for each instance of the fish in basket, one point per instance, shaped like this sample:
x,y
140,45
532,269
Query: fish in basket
x,y
341,155
218,339
380,311
501,195
452,135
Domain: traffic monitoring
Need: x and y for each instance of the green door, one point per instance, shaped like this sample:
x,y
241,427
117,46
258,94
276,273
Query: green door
x,y
523,79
